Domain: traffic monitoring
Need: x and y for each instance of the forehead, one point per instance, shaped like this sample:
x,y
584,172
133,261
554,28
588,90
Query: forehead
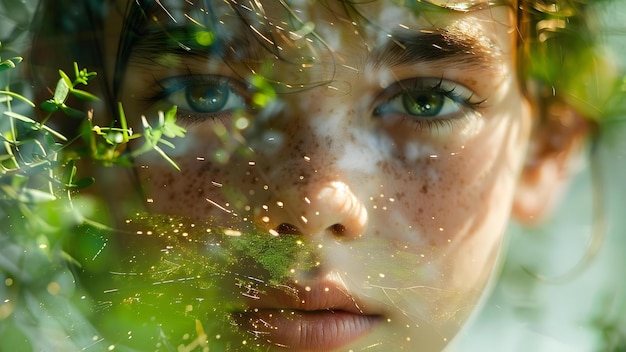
x,y
304,30
293,20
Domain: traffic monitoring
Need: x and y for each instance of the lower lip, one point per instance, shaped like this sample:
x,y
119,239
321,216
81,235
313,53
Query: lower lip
x,y
306,330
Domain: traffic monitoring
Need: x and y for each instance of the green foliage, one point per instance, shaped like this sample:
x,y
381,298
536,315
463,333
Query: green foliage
x,y
42,206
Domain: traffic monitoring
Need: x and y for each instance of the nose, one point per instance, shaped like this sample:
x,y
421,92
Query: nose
x,y
329,208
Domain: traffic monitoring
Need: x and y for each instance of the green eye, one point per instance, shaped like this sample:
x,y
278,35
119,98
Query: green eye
x,y
426,99
203,97
420,103
207,98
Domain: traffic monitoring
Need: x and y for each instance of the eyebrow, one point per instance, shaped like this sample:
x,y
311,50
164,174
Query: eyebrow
x,y
406,48
403,48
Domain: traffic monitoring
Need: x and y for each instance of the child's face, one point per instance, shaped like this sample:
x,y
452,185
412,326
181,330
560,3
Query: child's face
x,y
393,145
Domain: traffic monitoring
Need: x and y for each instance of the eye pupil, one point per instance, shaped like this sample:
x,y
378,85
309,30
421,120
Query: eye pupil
x,y
207,98
423,103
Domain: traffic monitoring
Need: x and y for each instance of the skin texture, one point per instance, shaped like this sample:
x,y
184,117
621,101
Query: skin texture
x,y
406,217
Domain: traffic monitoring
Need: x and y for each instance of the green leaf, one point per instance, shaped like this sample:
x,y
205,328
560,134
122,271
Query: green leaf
x,y
70,173
124,123
71,112
31,195
49,106
10,63
35,123
62,90
84,182
166,157
20,117
17,96
167,143
170,128
54,133
81,94
65,78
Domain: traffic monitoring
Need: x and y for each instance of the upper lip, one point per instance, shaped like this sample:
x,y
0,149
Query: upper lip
x,y
320,296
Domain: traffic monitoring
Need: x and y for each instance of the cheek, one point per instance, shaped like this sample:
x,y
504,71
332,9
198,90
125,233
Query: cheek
x,y
452,210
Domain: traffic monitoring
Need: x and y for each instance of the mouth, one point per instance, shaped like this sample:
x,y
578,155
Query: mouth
x,y
319,318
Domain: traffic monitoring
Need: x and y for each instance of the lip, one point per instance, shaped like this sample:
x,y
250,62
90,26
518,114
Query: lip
x,y
310,318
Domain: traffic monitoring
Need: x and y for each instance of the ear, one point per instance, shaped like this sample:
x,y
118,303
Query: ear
x,y
554,154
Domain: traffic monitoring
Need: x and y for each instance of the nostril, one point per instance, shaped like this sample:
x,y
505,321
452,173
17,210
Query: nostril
x,y
287,229
337,229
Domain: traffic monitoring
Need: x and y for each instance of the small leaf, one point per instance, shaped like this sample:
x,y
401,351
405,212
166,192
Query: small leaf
x,y
167,143
170,128
17,96
10,63
20,117
84,182
65,78
61,91
6,65
123,122
49,106
76,70
71,112
166,157
70,173
81,94
31,195
54,133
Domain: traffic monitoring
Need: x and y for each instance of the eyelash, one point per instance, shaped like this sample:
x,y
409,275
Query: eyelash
x,y
449,93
